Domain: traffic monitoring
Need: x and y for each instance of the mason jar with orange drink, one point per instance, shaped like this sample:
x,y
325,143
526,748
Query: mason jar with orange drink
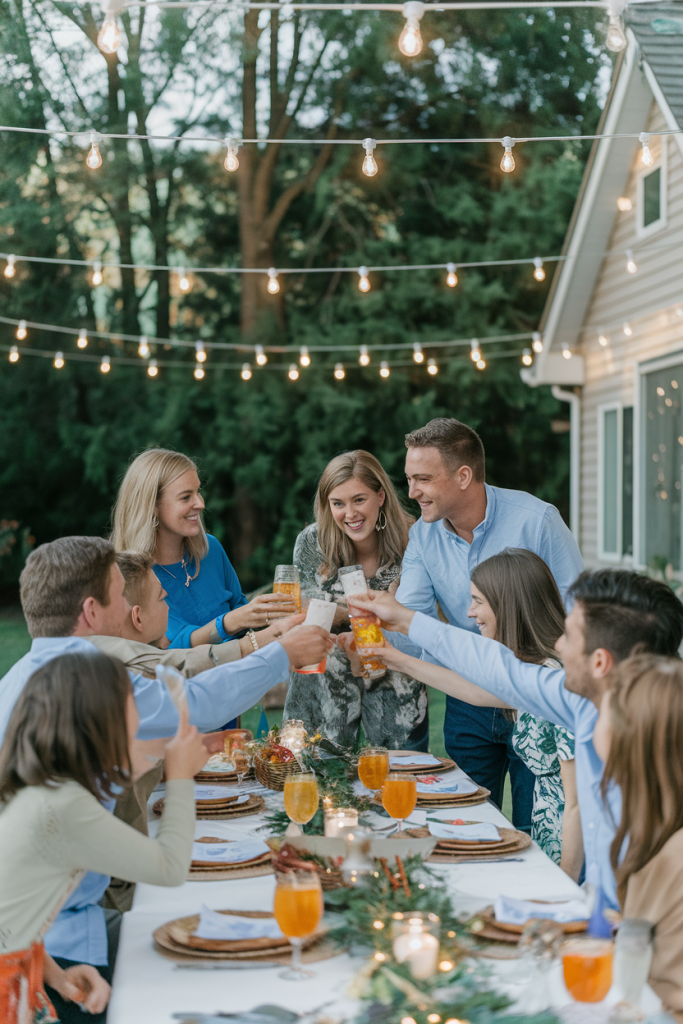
x,y
287,582
365,627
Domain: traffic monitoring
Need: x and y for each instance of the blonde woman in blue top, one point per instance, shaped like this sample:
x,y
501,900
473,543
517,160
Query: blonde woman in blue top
x,y
159,510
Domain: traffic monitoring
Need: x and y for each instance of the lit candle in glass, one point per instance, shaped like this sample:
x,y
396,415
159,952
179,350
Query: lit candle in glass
x,y
416,940
293,735
337,818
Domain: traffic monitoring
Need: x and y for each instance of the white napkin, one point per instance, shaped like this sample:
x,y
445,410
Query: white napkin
x,y
451,782
228,926
417,759
483,831
228,853
511,911
212,792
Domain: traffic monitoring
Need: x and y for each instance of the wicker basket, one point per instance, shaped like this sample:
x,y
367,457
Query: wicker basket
x,y
273,776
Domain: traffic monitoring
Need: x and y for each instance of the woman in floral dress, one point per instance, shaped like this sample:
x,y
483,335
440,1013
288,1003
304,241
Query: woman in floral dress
x,y
359,521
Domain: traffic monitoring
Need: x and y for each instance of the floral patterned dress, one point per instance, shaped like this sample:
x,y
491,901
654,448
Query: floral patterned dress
x,y
393,708
542,745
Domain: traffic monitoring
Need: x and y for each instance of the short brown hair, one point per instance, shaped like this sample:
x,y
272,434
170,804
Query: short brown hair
x,y
135,567
69,723
57,579
457,444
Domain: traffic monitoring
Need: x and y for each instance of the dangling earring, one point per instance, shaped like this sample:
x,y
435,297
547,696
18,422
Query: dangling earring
x,y
381,521
155,522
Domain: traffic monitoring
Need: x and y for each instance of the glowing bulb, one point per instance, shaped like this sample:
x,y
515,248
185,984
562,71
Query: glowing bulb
x,y
384,370
539,272
21,330
105,365
410,40
508,162
603,339
536,342
199,372
434,1018
82,340
339,371
94,158
14,354
646,156
378,925
624,204
58,360
631,265
231,162
304,357
369,164
273,283
293,371
628,330
364,281
109,37
246,371
152,368
261,357
184,281
364,358
10,269
527,357
452,278
566,351
475,351
616,40
143,348
97,273
200,352
418,354
432,367
481,364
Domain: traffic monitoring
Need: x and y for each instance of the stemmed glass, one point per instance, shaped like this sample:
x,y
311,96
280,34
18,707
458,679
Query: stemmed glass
x,y
373,767
298,907
399,796
301,797
243,759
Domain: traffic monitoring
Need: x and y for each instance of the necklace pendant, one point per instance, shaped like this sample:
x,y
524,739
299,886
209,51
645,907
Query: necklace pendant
x,y
187,581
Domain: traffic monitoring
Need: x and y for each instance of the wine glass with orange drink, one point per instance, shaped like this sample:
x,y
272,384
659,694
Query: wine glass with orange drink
x,y
373,766
301,797
587,967
298,908
399,796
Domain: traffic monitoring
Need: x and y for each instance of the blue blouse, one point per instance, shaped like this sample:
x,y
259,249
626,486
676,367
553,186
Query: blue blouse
x,y
215,591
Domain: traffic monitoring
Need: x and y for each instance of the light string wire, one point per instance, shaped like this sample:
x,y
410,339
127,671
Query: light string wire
x,y
284,7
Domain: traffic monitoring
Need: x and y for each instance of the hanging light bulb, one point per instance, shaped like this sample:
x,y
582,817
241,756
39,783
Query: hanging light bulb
x,y
481,364
10,269
475,351
109,37
452,277
364,280
183,281
304,357
339,371
143,347
631,265
410,40
105,365
418,354
566,351
94,157
624,204
58,362
200,352
21,330
152,368
273,283
199,372
539,272
536,342
508,162
246,371
231,163
364,357
616,40
432,367
627,329
646,156
261,357
384,370
293,371
96,273
369,163
82,340
527,357
14,354
603,339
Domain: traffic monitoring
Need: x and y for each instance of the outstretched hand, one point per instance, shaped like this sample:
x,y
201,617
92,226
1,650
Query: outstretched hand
x,y
80,984
391,614
347,644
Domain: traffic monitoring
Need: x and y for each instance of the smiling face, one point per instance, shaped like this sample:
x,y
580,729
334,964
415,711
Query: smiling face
x,y
482,613
180,506
437,489
355,508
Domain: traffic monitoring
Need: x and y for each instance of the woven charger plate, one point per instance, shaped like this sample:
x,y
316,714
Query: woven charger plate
x,y
176,937
512,932
451,800
213,840
420,769
509,842
254,805
216,875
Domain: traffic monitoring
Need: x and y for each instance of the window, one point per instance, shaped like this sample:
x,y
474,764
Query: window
x,y
651,197
615,489
662,462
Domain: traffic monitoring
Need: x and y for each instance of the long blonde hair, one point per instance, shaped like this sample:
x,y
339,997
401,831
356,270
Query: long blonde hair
x,y
135,513
336,547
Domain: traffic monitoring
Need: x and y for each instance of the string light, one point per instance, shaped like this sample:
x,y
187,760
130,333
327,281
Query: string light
x,y
58,362
539,272
364,280
94,157
152,368
603,339
369,163
646,156
508,162
452,277
536,342
527,357
10,269
364,357
109,37
97,273
293,371
105,365
21,330
143,347
184,281
384,370
261,357
410,40
200,352
14,354
566,351
432,368
628,330
246,371
475,351
82,340
631,265
304,357
418,354
231,162
273,283
624,204
481,364
615,39
339,371
199,372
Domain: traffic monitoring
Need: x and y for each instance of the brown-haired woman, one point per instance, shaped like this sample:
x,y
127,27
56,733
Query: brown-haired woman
x,y
358,521
639,735
70,742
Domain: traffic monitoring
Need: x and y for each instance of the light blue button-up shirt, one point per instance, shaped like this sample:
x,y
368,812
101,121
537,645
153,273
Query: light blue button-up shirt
x,y
541,691
213,697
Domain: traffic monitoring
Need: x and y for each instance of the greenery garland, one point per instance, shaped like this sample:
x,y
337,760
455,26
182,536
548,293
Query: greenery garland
x,y
335,777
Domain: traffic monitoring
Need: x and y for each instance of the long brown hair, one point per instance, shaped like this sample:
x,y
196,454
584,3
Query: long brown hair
x,y
336,547
69,724
524,597
645,759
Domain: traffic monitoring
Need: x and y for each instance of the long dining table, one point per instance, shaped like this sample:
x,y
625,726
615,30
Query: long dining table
x,y
148,988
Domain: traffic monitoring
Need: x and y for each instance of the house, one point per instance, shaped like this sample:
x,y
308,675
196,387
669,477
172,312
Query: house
x,y
612,328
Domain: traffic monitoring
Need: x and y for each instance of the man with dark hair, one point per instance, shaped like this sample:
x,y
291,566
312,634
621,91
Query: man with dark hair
x,y
615,613
464,521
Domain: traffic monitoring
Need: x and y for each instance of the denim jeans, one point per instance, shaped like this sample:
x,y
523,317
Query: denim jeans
x,y
480,742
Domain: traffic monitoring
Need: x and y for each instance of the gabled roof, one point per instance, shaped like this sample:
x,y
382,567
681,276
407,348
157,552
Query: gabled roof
x,y
658,29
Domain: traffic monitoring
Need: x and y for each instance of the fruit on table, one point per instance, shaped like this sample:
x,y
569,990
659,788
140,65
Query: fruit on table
x,y
277,754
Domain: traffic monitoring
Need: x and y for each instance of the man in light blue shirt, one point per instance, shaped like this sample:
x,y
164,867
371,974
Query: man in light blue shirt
x,y
614,611
464,521
71,589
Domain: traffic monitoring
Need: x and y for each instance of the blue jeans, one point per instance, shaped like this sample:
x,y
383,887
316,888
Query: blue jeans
x,y
479,740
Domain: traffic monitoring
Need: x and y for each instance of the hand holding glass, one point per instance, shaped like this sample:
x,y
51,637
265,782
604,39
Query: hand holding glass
x,y
287,582
320,612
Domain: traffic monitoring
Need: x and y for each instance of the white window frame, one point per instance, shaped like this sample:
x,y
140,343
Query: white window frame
x,y
610,556
657,225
